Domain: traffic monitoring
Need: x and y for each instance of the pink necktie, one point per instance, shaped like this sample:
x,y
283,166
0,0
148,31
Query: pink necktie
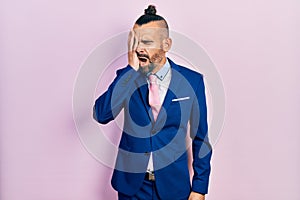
x,y
154,96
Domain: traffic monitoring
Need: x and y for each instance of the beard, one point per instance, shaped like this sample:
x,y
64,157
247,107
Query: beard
x,y
147,69
154,62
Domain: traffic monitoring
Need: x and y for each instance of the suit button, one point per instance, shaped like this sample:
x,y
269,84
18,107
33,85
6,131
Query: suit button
x,y
147,153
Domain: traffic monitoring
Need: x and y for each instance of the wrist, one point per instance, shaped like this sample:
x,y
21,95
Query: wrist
x,y
196,196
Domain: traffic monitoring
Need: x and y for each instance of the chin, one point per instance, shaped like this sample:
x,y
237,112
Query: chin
x,y
144,70
147,68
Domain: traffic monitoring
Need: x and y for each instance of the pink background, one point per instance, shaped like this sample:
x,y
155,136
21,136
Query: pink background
x,y
254,44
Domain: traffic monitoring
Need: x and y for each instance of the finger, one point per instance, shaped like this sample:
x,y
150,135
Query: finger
x,y
136,42
130,40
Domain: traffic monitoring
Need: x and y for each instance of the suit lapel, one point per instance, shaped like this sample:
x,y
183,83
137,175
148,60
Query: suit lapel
x,y
142,86
176,79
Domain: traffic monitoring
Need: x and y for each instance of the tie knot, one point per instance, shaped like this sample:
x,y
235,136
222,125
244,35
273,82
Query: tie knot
x,y
152,78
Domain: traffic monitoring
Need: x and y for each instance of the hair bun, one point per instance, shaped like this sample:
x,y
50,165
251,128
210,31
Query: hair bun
x,y
151,10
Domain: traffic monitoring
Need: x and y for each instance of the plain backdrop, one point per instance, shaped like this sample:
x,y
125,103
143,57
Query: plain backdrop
x,y
254,44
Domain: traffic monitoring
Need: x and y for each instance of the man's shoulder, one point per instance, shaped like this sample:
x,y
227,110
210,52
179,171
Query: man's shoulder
x,y
189,71
185,71
123,70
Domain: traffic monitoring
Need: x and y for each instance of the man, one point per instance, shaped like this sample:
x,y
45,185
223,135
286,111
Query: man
x,y
160,99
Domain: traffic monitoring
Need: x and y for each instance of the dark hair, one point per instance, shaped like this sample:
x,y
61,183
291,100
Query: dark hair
x,y
150,16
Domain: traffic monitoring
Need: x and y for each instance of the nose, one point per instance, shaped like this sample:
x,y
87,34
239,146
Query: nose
x,y
139,47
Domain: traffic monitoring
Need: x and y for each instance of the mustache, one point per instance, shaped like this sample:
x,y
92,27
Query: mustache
x,y
142,55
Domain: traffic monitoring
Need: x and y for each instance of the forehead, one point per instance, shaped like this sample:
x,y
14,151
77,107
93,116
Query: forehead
x,y
151,29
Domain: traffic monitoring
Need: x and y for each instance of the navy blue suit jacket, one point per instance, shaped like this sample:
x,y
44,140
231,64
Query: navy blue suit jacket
x,y
184,104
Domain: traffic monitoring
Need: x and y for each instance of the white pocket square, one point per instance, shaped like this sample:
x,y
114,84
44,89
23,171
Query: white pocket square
x,y
181,99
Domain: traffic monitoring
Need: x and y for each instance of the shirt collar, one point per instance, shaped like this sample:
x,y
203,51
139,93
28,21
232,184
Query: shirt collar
x,y
161,74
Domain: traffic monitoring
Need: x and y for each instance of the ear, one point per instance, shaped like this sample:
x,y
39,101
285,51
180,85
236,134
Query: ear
x,y
167,43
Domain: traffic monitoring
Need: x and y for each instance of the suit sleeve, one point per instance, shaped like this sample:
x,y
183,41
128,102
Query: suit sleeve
x,y
111,102
201,147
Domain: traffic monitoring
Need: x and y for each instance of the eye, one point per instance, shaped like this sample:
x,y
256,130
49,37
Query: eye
x,y
147,42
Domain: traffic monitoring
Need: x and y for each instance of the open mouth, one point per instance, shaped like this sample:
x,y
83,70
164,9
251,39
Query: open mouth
x,y
143,59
